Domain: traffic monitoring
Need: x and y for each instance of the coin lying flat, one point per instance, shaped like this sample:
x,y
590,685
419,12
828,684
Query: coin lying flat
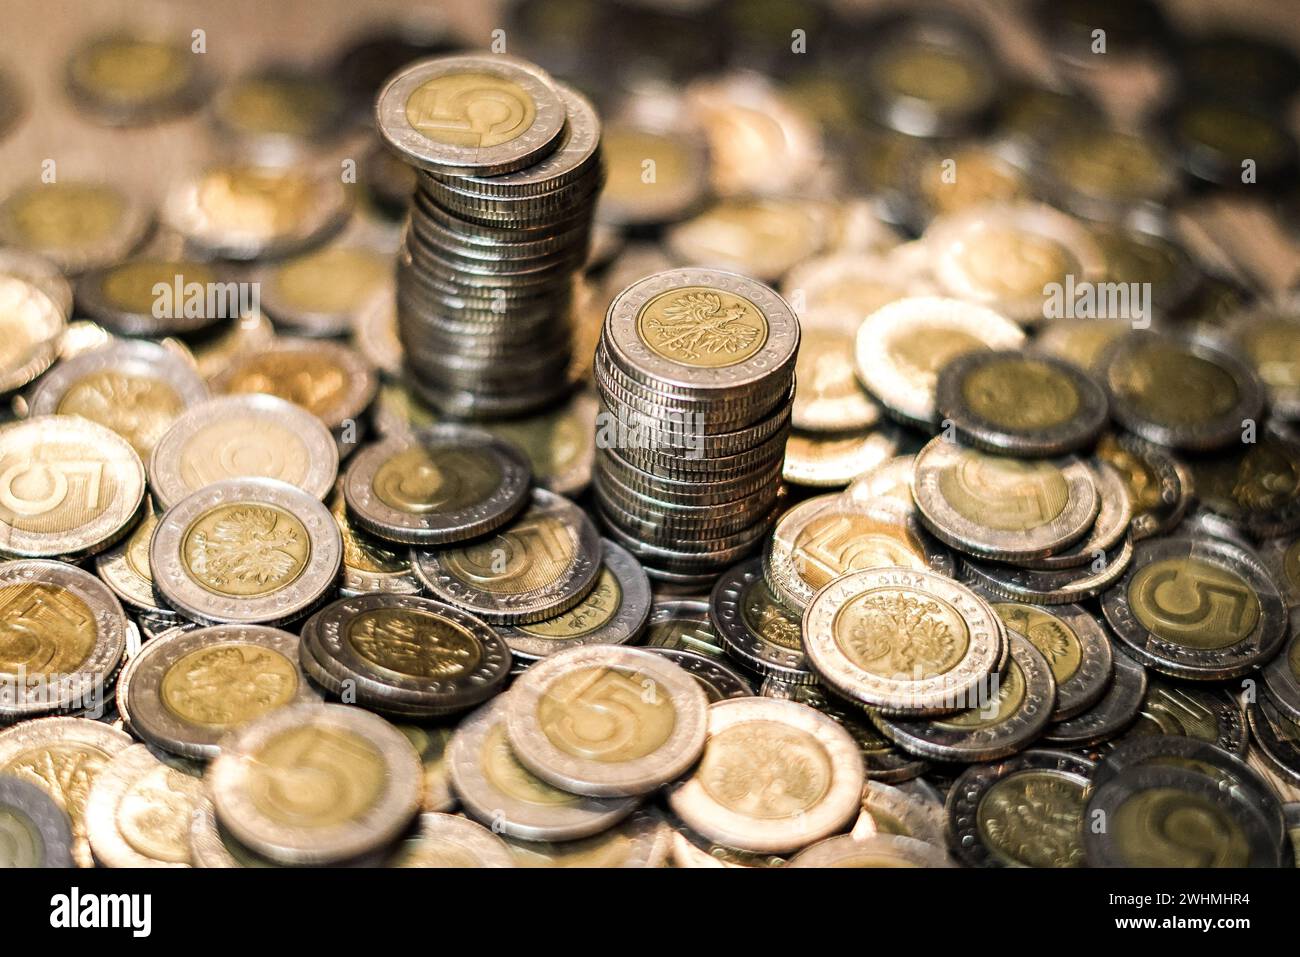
x,y
561,727
134,388
537,566
322,292
31,324
76,224
902,640
808,766
496,788
68,487
829,397
370,565
316,783
1026,811
1207,714
1075,646
36,830
755,627
1112,524
124,79
901,347
1026,405
244,436
245,551
683,624
139,810
1001,507
1115,711
1254,486
880,850
187,689
62,638
446,840
150,295
437,485
834,459
1197,608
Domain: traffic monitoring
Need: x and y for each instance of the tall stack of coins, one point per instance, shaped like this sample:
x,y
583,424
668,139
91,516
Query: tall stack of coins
x,y
510,171
695,370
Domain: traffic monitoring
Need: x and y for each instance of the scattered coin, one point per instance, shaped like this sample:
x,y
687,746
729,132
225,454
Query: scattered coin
x,y
1282,677
76,224
1116,710
124,79
1254,486
149,295
1064,586
1076,648
718,681
1278,736
559,444
642,840
139,811
37,830
31,325
756,628
834,459
370,565
1206,714
322,292
279,112
683,624
446,840
890,810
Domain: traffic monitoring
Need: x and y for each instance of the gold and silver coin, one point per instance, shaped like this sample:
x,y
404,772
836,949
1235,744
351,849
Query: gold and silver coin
x,y
1115,711
37,831
1000,507
316,784
1076,648
1062,586
31,325
497,789
186,690
370,565
126,79
245,551
322,292
436,485
279,112
901,347
150,295
539,565
76,224
718,680
134,388
139,811
68,487
242,436
903,641
775,776
878,850
562,728
448,840
1211,714
756,627
62,638
1114,519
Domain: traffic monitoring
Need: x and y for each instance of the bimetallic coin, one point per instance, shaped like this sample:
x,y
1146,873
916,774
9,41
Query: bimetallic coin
x,y
1208,714
242,436
1179,392
810,773
680,153
134,388
763,237
1254,486
1025,405
31,325
756,627
76,224
185,690
1268,337
1075,646
890,810
683,624
497,789
1001,507
68,487
123,79
614,612
1111,525
901,347
322,292
642,840
1012,712
880,850
436,485
125,567
718,681
534,568
139,811
370,565
62,757
1026,811
37,832
834,459
316,783
890,480
150,295
1198,608
279,111
1282,677
903,640
446,840
245,551
561,727
1065,586
1116,710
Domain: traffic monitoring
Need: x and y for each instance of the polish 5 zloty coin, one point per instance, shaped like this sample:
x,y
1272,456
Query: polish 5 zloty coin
x,y
139,811
1076,648
1114,712
370,565
756,627
76,224
156,296
683,624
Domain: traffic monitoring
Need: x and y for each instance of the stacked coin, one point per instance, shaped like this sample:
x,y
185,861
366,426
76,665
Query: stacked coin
x,y
510,170
695,370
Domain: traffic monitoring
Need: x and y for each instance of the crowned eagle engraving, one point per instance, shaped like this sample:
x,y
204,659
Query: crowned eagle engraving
x,y
698,324
246,545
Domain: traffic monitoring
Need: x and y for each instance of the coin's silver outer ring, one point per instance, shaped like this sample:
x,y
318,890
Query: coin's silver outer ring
x,y
512,815
376,826
141,359
1085,687
420,151
441,527
1066,586
964,834
928,739
112,784
719,681
630,353
726,612
1116,710
1114,519
914,317
43,353
194,601
48,818
966,535
1261,645
165,479
907,850
595,778
137,221
119,320
692,802
625,626
116,457
921,817
1282,683
105,655
131,588
152,721
1281,754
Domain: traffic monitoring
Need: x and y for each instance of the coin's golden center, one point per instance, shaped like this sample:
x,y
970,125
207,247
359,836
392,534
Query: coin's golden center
x,y
834,543
45,629
57,485
130,286
1020,394
129,70
21,844
138,408
361,552
766,770
224,685
591,614
612,715
1014,262
1168,827
984,179
306,378
65,771
929,73
414,642
532,554
504,772
153,816
920,352
702,326
314,776
1169,386
1010,495
333,280
478,110
243,447
765,617
245,549
1192,603
66,215
1057,641
422,481
1033,819
900,633
997,709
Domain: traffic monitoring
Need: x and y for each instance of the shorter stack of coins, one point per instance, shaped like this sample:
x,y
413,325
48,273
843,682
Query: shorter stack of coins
x,y
695,370
510,170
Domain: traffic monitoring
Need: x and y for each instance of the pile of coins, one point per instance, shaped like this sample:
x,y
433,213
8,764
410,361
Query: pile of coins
x,y
695,370
509,172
